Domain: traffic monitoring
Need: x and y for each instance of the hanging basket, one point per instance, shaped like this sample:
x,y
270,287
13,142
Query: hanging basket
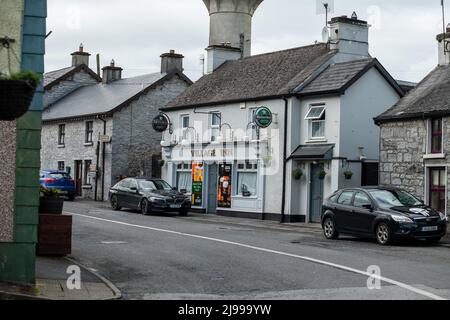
x,y
15,98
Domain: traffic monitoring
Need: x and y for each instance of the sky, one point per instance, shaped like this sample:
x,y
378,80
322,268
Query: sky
x,y
136,32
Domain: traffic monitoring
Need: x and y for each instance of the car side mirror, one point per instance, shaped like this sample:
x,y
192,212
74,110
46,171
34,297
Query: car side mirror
x,y
134,189
174,189
368,207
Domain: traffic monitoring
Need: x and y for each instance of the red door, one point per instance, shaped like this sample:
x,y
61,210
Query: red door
x,y
437,193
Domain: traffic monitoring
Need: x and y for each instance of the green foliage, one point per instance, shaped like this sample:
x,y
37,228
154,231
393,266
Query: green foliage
x,y
348,174
33,78
321,174
161,163
297,174
50,193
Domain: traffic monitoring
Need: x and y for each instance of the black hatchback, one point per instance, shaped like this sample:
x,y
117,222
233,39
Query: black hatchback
x,y
147,196
387,214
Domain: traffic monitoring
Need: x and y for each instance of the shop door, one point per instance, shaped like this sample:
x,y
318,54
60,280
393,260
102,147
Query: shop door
x,y
211,206
316,194
78,177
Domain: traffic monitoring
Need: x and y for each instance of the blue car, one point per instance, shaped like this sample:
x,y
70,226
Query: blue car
x,y
59,180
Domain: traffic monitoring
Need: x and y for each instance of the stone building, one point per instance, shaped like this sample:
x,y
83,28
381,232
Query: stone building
x,y
415,136
100,129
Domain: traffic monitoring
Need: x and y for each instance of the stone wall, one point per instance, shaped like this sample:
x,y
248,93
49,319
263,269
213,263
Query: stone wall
x,y
402,147
134,140
65,87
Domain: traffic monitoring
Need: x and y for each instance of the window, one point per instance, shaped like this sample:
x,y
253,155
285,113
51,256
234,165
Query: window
x,y
346,198
184,177
437,192
61,166
247,177
61,134
215,123
125,184
184,124
87,172
316,118
89,131
436,136
133,184
361,200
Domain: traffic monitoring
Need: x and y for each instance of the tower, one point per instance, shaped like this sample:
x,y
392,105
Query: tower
x,y
230,30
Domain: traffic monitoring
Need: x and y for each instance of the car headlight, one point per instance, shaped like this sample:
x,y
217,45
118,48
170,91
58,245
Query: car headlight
x,y
443,216
402,219
155,199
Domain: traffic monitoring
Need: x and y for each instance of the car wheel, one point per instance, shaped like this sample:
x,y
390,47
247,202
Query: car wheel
x,y
433,240
329,229
183,213
383,234
71,197
145,207
115,203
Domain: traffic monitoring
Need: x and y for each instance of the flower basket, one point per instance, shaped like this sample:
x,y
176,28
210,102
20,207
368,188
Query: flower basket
x,y
15,98
348,175
51,205
161,163
297,174
322,174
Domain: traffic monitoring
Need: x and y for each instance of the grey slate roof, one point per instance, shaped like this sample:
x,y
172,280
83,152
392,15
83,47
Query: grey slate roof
x,y
430,97
260,76
52,78
49,77
100,98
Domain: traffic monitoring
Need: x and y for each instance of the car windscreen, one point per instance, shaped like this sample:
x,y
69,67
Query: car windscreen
x,y
147,185
59,176
388,199
162,185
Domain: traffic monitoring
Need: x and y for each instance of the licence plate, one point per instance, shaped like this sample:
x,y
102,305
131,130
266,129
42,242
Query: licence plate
x,y
429,229
175,206
63,192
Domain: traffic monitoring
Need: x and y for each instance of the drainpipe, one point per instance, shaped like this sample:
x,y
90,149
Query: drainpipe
x,y
97,154
103,159
283,196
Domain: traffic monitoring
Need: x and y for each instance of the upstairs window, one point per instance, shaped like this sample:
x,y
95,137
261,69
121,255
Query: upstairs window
x,y
436,136
184,124
316,118
215,123
89,131
62,134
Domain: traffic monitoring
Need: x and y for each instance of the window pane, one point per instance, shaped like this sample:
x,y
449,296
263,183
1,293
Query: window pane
x,y
361,200
315,113
345,198
185,122
214,134
318,129
247,183
215,121
435,178
184,181
443,178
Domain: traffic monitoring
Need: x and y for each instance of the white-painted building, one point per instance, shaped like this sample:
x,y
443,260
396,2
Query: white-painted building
x,y
323,98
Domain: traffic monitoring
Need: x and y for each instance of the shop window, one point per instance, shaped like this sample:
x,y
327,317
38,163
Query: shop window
x,y
435,134
184,178
247,174
87,172
316,118
215,123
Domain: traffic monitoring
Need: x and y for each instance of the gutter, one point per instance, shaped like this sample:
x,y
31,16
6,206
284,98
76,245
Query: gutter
x,y
103,159
283,194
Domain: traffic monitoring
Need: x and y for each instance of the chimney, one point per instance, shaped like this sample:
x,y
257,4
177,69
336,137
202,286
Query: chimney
x,y
111,73
230,30
444,47
350,36
80,57
171,61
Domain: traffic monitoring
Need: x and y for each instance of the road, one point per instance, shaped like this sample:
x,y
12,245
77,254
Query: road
x,y
194,257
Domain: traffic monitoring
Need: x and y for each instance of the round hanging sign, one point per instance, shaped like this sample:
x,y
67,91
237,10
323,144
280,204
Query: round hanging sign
x,y
160,123
263,117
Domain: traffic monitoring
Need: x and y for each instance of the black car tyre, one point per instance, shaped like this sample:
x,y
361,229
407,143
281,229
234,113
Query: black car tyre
x,y
329,229
115,203
145,207
383,234
433,240
71,197
183,213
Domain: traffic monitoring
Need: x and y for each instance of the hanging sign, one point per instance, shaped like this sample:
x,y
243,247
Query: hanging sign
x,y
263,117
160,123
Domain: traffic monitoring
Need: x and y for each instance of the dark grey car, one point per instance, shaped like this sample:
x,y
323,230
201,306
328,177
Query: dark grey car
x,y
147,196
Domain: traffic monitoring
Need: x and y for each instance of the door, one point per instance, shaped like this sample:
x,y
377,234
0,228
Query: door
x,y
78,178
344,211
363,216
211,206
133,196
316,194
369,175
436,193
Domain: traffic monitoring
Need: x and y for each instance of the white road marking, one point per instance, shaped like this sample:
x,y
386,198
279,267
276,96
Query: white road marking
x,y
304,258
114,242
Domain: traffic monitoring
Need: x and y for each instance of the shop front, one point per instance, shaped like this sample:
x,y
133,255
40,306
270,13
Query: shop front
x,y
225,179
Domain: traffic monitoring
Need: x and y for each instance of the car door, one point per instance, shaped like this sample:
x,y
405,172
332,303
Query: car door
x,y
122,193
134,196
344,210
363,216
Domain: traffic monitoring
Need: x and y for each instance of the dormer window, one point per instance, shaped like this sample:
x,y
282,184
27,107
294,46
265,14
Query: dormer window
x,y
316,118
436,136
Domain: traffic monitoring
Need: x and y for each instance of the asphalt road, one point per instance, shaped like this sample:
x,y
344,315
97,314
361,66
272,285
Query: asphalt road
x,y
171,257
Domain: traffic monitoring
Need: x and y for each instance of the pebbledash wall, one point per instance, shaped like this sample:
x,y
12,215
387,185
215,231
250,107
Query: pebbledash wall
x,y
25,21
402,149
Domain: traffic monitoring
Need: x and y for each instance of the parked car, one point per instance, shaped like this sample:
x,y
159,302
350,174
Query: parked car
x,y
58,180
387,214
147,196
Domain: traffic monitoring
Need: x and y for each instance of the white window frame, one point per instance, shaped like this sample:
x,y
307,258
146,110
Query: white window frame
x,y
429,154
214,127
181,168
254,169
316,119
184,130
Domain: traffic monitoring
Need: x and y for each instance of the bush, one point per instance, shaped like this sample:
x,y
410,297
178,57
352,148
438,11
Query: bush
x,y
31,77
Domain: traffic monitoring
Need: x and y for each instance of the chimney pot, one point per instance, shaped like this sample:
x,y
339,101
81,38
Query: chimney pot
x,y
354,15
111,73
171,61
113,63
80,57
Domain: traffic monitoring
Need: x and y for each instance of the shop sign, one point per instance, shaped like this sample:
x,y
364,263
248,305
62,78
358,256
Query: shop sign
x,y
212,153
224,188
263,117
160,123
197,184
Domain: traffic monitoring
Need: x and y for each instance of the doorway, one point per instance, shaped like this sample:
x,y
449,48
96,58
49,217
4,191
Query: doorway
x,y
78,177
437,189
211,206
316,193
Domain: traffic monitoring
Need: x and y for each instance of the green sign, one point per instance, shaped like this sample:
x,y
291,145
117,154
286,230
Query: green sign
x,y
263,117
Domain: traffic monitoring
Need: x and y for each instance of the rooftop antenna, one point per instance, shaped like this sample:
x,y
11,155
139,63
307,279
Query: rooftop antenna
x,y
326,13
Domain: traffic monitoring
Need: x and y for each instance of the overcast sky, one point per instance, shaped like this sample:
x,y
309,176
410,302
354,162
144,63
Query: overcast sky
x,y
136,32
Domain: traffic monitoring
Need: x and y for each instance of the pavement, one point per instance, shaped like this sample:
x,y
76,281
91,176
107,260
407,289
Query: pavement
x,y
52,283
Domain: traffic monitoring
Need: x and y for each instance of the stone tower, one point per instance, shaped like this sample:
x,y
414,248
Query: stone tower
x,y
230,30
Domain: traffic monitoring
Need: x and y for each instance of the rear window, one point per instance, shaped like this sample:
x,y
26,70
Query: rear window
x,y
59,175
346,198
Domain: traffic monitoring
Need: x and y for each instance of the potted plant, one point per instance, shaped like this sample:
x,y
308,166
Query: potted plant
x,y
321,174
348,174
298,174
161,163
16,93
50,201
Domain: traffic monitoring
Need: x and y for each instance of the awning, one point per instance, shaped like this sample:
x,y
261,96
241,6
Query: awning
x,y
313,152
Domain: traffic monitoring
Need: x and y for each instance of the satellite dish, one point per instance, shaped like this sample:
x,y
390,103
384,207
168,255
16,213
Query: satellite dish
x,y
325,35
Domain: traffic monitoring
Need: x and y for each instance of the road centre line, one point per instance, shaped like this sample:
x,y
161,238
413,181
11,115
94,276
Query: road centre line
x,y
304,258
